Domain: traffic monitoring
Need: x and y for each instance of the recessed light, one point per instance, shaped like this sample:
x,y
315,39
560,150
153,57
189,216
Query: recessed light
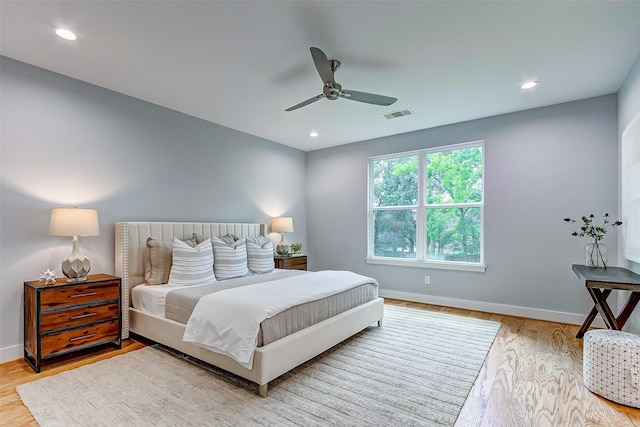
x,y
65,34
529,85
313,134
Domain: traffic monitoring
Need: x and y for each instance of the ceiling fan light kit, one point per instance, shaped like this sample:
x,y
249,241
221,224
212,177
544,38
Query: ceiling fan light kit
x,y
332,90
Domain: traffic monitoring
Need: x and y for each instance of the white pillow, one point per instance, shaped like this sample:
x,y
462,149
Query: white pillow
x,y
230,258
191,265
260,254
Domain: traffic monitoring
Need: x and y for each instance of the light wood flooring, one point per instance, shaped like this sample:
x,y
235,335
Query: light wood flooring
x,y
532,378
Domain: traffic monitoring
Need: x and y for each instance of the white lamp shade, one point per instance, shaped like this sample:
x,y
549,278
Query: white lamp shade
x,y
282,224
74,222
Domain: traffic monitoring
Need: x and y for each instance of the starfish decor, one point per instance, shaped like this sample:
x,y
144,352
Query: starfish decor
x,y
48,276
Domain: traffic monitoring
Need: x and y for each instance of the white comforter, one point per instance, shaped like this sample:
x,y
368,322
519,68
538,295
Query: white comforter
x,y
228,321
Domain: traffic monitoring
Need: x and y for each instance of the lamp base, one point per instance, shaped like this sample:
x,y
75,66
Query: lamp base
x,y
77,279
77,266
76,270
282,249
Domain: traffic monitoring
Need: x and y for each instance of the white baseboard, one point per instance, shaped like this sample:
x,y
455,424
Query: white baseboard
x,y
7,354
489,307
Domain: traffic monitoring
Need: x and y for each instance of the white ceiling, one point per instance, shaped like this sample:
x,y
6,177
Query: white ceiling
x,y
242,63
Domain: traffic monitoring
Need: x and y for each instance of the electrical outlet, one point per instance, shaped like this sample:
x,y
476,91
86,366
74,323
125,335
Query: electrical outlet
x,y
427,280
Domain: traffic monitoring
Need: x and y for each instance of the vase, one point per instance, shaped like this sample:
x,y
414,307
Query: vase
x,y
595,255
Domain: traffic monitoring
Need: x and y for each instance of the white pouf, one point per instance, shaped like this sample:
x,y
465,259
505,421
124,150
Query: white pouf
x,y
611,365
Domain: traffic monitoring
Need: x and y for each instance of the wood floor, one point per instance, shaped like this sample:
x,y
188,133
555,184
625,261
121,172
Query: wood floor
x,y
532,378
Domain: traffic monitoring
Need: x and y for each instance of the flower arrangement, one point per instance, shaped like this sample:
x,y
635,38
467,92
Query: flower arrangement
x,y
594,251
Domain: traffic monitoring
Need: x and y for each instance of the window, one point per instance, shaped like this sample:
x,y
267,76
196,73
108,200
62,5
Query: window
x,y
426,207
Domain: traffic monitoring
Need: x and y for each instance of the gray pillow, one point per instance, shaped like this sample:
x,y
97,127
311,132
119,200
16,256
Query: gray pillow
x,y
230,259
260,254
158,259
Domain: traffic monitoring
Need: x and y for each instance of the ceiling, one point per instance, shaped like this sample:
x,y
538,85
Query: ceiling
x,y
242,63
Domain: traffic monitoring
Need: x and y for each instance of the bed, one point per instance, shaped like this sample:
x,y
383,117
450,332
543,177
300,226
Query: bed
x,y
271,358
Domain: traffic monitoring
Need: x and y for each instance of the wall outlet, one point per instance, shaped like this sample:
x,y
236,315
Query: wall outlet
x,y
427,280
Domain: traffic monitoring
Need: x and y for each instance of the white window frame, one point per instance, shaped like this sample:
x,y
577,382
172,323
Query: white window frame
x,y
421,212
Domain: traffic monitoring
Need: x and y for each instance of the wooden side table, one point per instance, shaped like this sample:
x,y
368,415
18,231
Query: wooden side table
x,y
600,282
291,262
64,317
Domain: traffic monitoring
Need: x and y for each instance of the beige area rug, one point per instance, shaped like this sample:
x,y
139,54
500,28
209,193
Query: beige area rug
x,y
417,369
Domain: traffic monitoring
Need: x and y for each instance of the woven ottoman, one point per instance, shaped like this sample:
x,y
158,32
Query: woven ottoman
x,y
611,365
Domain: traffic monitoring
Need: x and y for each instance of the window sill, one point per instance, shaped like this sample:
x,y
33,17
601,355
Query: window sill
x,y
460,266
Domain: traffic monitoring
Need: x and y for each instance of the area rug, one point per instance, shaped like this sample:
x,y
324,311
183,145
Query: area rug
x,y
417,369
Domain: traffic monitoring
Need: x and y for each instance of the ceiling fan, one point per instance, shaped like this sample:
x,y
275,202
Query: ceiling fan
x,y
333,90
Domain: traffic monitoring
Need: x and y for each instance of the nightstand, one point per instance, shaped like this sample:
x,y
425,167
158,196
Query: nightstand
x,y
291,262
64,317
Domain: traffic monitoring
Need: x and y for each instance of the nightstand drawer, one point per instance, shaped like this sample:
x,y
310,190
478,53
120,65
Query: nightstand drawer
x,y
78,316
69,340
294,262
78,294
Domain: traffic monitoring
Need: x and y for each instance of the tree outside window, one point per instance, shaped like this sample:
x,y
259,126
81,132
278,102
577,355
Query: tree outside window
x,y
428,205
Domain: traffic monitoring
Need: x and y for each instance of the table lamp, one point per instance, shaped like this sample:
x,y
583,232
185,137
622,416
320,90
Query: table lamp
x,y
282,225
74,222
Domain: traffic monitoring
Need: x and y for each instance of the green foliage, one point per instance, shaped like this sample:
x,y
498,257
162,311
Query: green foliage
x,y
396,182
452,177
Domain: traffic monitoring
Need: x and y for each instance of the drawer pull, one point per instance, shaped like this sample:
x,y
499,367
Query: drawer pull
x,y
88,294
80,316
82,337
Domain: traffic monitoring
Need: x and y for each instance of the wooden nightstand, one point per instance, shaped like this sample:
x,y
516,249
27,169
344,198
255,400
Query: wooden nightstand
x,y
291,262
64,317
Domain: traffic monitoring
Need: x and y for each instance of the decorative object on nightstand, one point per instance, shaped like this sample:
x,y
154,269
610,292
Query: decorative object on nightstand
x,y
291,262
64,317
595,252
48,276
296,247
74,222
282,225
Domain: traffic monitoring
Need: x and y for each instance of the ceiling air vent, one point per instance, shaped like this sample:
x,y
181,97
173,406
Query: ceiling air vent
x,y
397,114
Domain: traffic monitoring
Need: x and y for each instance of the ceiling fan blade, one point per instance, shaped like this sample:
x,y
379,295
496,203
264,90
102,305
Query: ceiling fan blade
x,y
322,65
307,102
369,98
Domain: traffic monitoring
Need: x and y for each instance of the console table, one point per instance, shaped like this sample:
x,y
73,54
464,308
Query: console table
x,y
599,283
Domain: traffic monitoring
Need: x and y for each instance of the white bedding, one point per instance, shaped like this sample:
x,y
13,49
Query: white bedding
x,y
228,321
152,299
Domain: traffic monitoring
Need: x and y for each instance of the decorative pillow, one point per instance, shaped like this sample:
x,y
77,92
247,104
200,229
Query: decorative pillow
x,y
260,254
230,258
191,265
157,260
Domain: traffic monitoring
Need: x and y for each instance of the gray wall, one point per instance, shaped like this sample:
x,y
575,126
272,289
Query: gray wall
x,y
628,107
541,166
66,143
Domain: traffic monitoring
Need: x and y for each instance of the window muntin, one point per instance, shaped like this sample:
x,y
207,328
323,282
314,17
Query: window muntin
x,y
427,206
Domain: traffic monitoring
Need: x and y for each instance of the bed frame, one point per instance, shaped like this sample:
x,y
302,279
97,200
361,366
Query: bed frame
x,y
270,361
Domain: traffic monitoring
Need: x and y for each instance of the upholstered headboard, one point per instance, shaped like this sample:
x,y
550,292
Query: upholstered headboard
x,y
131,240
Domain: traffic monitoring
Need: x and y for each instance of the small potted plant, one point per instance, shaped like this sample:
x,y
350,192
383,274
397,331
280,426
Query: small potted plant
x,y
296,247
595,252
